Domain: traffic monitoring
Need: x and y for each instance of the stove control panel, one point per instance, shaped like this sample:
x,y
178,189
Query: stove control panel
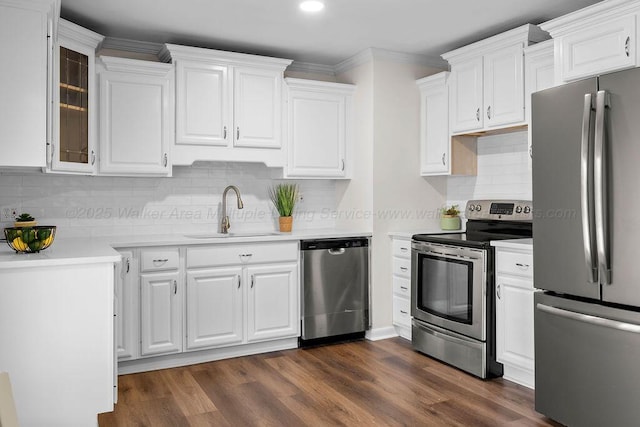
x,y
505,210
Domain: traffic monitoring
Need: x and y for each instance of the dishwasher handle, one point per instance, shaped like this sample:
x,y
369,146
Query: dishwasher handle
x,y
336,251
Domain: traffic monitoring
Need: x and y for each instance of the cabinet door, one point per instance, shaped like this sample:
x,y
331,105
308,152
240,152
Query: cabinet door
x,y
135,114
317,134
161,308
466,96
203,104
504,87
599,49
257,108
539,75
127,308
514,322
214,307
23,87
272,302
74,100
434,131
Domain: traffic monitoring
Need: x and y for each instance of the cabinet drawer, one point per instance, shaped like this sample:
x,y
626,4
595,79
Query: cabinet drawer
x,y
401,311
402,286
518,263
234,254
402,267
160,259
401,248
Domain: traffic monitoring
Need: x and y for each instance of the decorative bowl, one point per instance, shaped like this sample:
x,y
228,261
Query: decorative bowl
x,y
30,239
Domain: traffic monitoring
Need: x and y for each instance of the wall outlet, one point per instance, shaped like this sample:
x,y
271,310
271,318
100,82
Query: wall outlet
x,y
8,214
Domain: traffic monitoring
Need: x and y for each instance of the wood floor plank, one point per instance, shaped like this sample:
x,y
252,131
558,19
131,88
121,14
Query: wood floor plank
x,y
352,384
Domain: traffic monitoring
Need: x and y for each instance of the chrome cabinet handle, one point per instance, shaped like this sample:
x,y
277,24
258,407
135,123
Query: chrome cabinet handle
x,y
238,132
342,165
224,133
478,114
93,157
627,43
404,288
498,292
253,279
523,266
531,151
160,261
443,155
403,312
403,268
489,112
336,251
175,287
238,281
166,160
128,266
245,255
404,249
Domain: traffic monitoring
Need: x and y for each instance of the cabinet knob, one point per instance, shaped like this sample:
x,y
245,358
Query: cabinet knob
x,y
627,44
489,112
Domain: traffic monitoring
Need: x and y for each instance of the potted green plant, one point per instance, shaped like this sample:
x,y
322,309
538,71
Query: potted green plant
x,y
284,198
450,218
25,220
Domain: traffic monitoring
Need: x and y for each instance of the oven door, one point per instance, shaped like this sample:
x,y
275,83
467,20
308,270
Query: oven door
x,y
448,287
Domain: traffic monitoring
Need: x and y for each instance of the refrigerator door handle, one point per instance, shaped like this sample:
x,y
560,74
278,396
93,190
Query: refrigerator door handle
x,y
600,190
587,318
586,190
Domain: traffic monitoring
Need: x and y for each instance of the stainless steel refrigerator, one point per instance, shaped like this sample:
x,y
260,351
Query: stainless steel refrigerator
x,y
586,233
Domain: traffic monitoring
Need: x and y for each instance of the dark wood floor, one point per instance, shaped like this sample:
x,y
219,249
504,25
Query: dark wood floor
x,y
364,383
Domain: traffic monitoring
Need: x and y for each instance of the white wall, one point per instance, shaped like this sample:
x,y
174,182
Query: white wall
x,y
189,202
504,171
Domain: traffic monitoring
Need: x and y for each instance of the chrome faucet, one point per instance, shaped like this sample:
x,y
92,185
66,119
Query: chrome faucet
x,y
224,227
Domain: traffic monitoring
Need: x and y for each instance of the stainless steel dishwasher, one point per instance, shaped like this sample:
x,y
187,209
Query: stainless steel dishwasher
x,y
335,289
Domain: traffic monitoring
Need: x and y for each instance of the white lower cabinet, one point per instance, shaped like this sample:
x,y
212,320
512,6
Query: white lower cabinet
x,y
214,307
127,303
160,313
514,314
401,280
272,303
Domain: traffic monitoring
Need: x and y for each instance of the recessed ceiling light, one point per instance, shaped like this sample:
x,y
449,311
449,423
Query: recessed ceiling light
x,y
312,6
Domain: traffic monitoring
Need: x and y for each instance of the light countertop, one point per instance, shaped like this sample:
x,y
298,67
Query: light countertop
x,y
74,251
525,244
61,252
408,234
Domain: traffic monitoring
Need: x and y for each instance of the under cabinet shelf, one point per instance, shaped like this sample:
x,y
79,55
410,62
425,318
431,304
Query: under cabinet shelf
x,y
73,88
72,107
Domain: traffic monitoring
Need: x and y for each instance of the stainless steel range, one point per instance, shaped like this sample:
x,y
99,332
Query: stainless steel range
x,y
452,285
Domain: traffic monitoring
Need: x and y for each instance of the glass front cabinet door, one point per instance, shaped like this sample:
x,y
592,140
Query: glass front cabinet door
x,y
74,132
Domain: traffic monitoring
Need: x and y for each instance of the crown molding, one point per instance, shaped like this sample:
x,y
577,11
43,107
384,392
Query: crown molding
x,y
128,45
127,65
590,15
309,67
76,32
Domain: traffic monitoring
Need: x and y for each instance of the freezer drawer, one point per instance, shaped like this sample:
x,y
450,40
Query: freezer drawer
x,y
587,358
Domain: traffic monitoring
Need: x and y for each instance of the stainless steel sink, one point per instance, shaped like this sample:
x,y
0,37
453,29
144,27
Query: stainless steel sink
x,y
225,236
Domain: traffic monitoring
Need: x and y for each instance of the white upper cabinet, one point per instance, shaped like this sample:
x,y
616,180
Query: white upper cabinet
x,y
539,75
595,40
74,134
435,142
136,116
26,54
319,121
487,81
228,106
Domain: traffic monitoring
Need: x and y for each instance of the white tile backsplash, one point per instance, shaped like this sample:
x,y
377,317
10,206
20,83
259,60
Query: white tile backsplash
x,y
189,202
503,171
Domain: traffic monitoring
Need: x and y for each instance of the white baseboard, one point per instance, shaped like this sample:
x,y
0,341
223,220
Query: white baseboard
x,y
381,333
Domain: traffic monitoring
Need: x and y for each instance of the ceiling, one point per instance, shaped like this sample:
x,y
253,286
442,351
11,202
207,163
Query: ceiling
x,y
343,29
